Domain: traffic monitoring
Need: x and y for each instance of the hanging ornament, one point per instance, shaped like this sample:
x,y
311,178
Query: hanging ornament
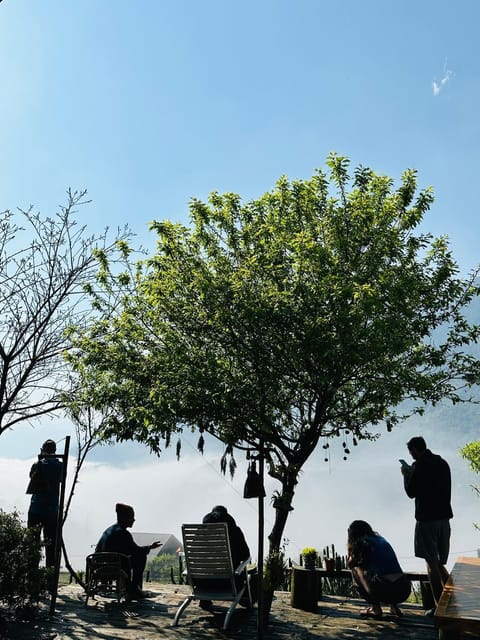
x,y
253,484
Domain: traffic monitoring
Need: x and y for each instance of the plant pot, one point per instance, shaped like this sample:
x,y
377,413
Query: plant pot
x,y
309,563
329,564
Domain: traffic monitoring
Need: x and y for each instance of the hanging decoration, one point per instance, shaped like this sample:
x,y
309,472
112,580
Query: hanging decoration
x,y
326,448
253,484
201,444
232,463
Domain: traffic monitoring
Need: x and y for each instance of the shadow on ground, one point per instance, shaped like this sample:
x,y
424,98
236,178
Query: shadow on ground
x,y
152,618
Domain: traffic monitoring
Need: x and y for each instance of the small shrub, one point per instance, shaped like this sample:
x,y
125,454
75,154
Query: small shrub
x,y
276,575
21,580
339,587
416,595
161,567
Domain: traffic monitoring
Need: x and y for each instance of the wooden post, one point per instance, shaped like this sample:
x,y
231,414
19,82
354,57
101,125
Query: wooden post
x,y
261,528
428,601
58,536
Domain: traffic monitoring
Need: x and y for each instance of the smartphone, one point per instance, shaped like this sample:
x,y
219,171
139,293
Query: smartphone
x,y
403,462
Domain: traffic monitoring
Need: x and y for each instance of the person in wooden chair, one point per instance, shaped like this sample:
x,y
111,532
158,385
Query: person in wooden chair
x,y
116,538
238,544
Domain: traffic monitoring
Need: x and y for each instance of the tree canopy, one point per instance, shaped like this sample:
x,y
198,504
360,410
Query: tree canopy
x,y
471,453
317,310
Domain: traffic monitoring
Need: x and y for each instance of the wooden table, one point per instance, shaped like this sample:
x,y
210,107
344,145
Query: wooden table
x,y
459,606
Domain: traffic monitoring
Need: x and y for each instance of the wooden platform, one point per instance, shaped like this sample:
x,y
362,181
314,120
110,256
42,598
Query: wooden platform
x,y
337,618
459,606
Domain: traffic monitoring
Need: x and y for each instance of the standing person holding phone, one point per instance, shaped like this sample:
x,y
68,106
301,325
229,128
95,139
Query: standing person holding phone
x,y
428,481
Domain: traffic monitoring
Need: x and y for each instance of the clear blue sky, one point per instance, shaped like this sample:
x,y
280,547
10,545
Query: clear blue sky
x,y
149,103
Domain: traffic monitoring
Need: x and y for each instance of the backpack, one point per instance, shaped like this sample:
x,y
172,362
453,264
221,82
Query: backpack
x,y
38,482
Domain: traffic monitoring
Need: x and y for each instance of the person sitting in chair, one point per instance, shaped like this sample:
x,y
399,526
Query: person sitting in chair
x,y
117,539
238,545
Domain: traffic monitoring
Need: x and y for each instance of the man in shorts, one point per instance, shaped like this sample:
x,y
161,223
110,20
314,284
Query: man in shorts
x,y
428,480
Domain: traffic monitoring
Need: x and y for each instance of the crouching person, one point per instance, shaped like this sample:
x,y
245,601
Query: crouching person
x,y
376,570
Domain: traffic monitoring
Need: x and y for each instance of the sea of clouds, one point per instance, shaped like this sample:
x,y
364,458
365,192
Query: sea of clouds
x,y
166,493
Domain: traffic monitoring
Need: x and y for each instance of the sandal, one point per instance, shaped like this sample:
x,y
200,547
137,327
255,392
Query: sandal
x,y
396,611
371,612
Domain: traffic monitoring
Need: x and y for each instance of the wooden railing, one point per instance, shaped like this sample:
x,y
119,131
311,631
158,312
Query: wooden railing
x,y
307,585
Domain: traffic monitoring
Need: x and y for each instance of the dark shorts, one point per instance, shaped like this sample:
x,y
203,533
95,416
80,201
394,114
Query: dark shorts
x,y
382,590
432,540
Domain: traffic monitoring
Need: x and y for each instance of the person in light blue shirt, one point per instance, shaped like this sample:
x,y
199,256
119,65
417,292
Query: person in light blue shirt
x,y
375,570
45,479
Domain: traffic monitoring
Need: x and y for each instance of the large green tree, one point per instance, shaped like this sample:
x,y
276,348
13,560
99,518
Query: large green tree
x,y
318,310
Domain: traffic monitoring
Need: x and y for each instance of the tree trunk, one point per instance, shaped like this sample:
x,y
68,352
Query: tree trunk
x,y
283,505
71,570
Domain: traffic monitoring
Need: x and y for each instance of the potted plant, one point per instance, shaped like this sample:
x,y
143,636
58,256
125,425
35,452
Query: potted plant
x,y
309,555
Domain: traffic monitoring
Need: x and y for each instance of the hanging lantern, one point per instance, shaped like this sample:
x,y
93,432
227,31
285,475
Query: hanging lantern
x,y
253,484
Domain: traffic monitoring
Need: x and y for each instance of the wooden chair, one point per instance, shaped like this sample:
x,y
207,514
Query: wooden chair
x,y
107,574
209,568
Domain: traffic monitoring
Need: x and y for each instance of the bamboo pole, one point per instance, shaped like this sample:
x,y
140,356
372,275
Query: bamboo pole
x,y
58,535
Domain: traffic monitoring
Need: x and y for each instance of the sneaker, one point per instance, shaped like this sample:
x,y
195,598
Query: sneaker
x,y
430,612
